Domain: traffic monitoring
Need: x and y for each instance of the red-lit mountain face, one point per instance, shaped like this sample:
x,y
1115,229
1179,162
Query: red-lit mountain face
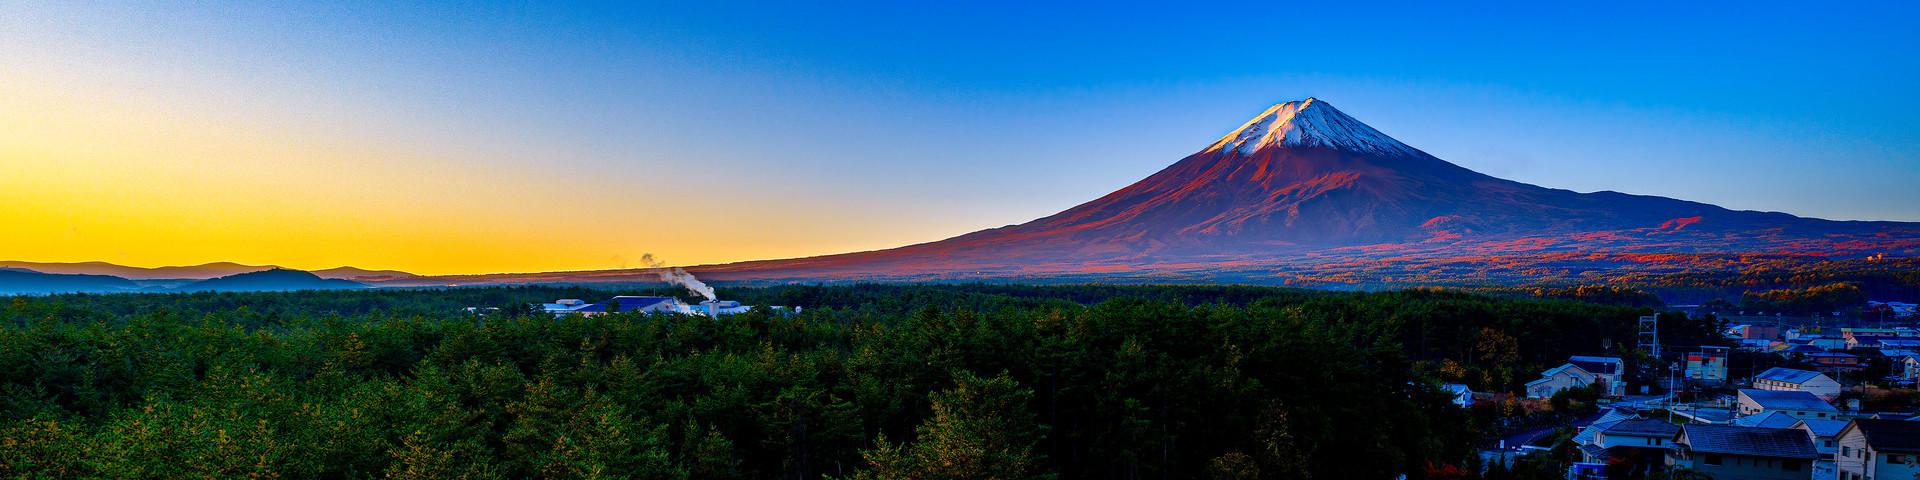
x,y
1303,188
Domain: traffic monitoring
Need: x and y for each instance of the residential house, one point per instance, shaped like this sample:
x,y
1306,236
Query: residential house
x,y
1726,451
1821,432
1799,404
1789,379
1559,378
1825,342
1586,434
1876,449
1580,371
1634,446
1904,363
1757,332
1835,362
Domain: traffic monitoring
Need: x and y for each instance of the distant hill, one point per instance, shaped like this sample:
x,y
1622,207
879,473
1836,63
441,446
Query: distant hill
x,y
274,280
366,276
205,271
18,281
194,272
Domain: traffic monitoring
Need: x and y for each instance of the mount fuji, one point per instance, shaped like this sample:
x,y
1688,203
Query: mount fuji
x,y
1306,194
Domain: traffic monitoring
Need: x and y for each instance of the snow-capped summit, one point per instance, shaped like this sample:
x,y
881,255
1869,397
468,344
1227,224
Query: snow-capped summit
x,y
1309,123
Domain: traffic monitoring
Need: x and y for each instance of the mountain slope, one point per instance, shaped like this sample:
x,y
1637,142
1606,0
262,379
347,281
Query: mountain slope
x,y
15,281
270,281
1303,180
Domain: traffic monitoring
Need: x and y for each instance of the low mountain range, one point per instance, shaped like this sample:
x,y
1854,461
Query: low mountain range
x,y
17,281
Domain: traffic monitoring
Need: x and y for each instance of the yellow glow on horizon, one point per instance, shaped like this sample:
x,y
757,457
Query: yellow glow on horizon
x,y
111,178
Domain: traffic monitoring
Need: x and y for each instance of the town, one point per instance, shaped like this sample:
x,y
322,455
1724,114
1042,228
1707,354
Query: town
x,y
1807,402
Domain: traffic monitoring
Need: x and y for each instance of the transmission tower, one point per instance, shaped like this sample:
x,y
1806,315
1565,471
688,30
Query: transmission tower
x,y
1650,335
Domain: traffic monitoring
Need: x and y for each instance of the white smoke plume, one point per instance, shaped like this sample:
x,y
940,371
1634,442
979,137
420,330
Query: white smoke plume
x,y
678,276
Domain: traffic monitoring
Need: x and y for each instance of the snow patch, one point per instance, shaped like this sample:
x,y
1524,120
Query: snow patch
x,y
1309,123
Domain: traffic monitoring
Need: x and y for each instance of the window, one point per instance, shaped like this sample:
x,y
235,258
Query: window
x,y
1846,451
1895,458
1711,459
1790,465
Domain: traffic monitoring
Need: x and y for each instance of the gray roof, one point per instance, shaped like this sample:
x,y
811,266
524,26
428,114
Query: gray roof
x,y
1824,427
1787,400
1770,419
1788,375
1596,365
1749,441
1893,435
1643,427
1608,419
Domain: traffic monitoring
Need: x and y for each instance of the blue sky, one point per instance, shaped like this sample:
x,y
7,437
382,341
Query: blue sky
x,y
806,129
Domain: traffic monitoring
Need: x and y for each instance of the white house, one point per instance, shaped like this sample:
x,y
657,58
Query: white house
x,y
1801,405
1580,371
1788,379
1559,378
1878,450
1822,433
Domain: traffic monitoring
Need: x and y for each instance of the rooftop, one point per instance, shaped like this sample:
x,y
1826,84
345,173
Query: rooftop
x,y
1749,441
1772,419
1789,375
1895,435
1787,400
1643,427
1596,365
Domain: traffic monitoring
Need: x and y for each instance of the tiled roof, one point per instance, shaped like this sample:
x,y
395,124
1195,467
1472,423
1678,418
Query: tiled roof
x,y
1894,435
1596,365
1788,375
1787,400
1749,441
1824,427
1643,427
1771,419
1605,420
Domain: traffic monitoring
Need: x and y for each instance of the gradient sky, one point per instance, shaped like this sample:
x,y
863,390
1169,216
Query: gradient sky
x,y
494,137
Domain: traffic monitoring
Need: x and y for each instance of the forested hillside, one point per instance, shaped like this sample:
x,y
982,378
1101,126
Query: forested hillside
x,y
869,381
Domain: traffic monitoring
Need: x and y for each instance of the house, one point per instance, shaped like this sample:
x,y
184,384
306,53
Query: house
x,y
1801,405
1905,363
1756,332
1462,395
1586,433
1799,350
1788,379
1725,451
1634,445
1823,341
1905,343
1606,370
1821,432
1578,372
1877,449
1559,378
1835,362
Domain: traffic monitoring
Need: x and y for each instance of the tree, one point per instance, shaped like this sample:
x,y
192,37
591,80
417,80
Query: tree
x,y
980,429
